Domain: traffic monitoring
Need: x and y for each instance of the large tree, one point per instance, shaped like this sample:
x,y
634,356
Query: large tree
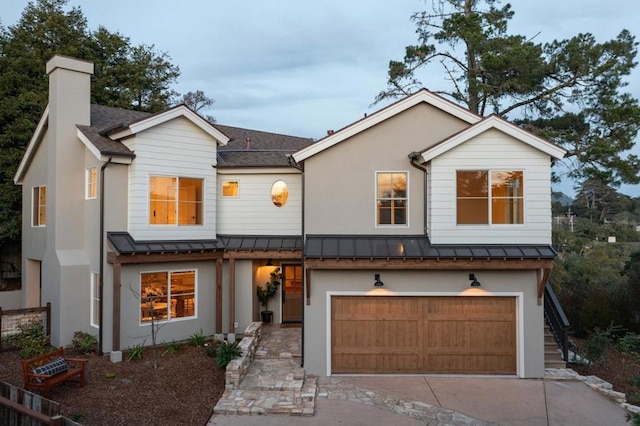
x,y
134,77
569,91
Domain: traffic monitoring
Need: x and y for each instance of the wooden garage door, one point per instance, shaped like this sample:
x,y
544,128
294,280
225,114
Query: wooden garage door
x,y
440,335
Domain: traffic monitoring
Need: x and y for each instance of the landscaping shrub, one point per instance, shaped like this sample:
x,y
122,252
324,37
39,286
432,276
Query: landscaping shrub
x,y
171,347
32,339
197,339
593,348
136,352
226,352
84,343
630,343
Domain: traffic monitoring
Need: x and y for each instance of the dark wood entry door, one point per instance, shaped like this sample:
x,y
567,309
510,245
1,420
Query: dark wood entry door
x,y
291,293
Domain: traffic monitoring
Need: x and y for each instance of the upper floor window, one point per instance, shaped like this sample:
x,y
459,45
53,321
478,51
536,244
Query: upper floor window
x,y
39,204
391,198
489,197
230,188
175,201
167,295
279,193
91,183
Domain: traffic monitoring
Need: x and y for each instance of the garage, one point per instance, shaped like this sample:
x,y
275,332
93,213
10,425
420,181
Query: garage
x,y
418,334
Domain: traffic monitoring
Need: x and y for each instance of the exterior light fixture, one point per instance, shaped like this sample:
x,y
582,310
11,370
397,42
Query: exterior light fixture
x,y
269,262
377,283
474,281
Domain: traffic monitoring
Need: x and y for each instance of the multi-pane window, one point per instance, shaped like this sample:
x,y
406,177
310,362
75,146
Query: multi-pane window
x,y
230,188
91,183
175,201
167,295
95,299
489,197
391,198
39,204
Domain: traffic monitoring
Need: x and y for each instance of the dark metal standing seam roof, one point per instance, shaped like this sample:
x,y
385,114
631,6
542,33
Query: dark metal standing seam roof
x,y
124,243
413,247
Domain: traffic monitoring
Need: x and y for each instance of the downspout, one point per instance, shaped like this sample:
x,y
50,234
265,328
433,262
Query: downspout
x,y
293,163
101,280
414,156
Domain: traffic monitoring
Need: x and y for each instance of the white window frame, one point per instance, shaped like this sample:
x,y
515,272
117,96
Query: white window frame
x,y
95,299
169,319
375,197
237,182
91,183
35,218
177,201
490,198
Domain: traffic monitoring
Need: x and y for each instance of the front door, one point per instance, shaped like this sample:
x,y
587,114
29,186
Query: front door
x,y
291,293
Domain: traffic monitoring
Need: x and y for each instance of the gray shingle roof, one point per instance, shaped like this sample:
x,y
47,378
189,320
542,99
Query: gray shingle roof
x,y
413,247
247,148
253,148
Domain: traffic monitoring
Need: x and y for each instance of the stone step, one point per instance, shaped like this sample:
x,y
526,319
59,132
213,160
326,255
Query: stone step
x,y
559,363
260,402
274,375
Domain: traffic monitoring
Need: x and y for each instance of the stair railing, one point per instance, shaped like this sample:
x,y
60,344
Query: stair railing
x,y
556,320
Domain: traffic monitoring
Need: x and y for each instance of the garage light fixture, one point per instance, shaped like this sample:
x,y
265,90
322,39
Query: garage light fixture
x,y
377,283
474,281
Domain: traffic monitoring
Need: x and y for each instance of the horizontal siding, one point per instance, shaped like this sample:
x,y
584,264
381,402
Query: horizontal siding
x,y
175,148
254,213
491,150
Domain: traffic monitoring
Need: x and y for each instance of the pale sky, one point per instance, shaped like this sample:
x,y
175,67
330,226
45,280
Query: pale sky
x,y
304,67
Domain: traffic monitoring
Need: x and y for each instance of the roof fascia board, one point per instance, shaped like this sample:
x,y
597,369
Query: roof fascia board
x,y
87,143
257,170
32,146
384,114
494,122
163,117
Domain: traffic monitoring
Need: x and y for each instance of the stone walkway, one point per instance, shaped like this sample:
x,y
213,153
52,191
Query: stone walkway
x,y
275,383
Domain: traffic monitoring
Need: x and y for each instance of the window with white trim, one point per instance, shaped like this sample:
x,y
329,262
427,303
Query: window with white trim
x,y
391,198
91,183
167,295
39,206
175,201
95,299
489,197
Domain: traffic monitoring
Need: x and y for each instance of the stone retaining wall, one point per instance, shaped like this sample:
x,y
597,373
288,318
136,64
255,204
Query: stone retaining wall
x,y
237,369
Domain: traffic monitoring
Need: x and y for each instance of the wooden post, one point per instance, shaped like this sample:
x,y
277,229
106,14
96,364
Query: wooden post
x,y
48,329
232,295
219,295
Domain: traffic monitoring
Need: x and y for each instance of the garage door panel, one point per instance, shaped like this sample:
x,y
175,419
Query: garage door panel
x,y
448,335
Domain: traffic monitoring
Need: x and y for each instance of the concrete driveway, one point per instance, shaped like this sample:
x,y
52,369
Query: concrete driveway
x,y
496,401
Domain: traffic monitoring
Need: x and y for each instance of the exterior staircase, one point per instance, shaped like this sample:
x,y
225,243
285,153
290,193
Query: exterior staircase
x,y
552,353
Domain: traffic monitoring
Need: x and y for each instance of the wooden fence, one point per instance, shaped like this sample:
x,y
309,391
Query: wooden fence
x,y
19,407
10,320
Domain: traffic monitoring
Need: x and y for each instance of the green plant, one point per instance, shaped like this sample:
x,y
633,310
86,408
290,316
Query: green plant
x,y
197,339
635,381
634,418
210,349
135,352
172,347
595,345
270,289
110,375
630,343
83,342
32,339
226,352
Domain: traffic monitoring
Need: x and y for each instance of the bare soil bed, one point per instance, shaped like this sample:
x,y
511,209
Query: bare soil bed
x,y
182,390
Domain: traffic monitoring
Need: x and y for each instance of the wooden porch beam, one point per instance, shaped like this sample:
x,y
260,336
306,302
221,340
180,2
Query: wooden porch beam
x,y
263,254
113,257
543,276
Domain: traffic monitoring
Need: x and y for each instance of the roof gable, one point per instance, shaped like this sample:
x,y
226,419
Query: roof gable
x,y
162,117
32,147
396,108
493,122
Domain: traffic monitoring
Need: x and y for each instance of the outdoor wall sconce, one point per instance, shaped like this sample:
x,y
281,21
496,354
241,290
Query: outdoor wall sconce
x,y
270,262
474,281
377,283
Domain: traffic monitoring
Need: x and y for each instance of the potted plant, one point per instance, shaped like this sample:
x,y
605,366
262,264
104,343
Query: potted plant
x,y
266,292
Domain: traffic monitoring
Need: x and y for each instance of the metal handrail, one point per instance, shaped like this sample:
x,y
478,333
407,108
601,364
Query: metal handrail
x,y
556,320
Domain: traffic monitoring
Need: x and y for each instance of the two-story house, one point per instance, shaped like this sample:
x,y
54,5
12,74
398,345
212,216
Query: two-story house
x,y
427,243
133,219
